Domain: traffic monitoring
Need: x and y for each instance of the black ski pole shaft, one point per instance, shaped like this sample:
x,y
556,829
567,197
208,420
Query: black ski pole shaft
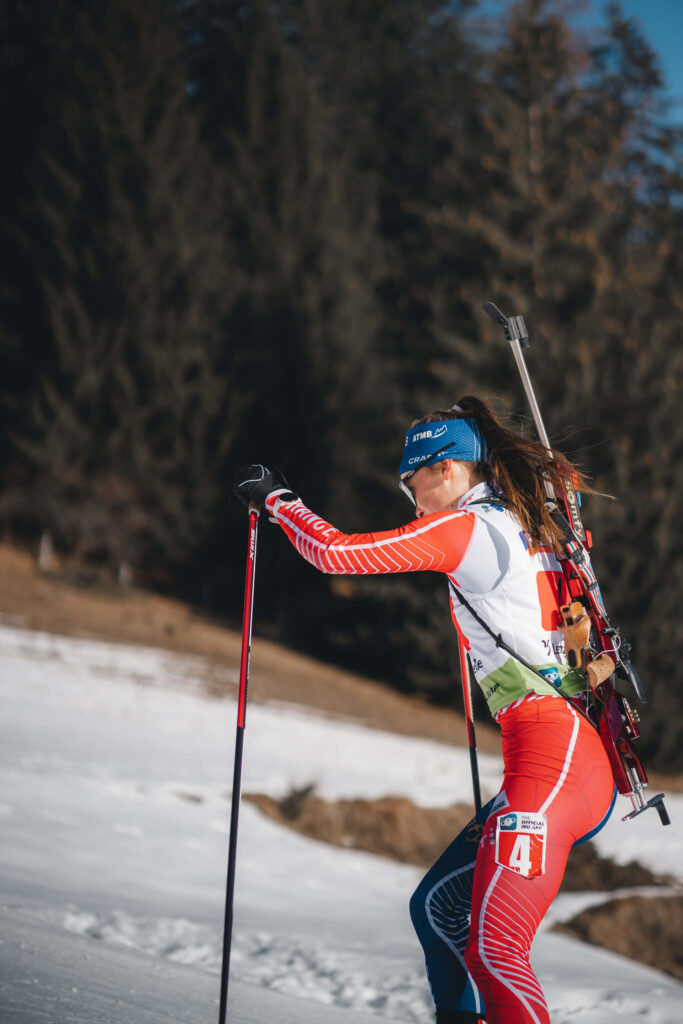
x,y
239,744
469,719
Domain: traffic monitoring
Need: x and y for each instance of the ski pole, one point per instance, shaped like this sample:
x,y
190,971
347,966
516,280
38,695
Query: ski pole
x,y
469,719
239,742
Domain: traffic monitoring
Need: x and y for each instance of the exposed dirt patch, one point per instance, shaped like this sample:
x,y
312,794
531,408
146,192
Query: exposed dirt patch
x,y
392,827
648,929
395,827
587,871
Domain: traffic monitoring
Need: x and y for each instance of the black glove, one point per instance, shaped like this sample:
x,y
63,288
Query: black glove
x,y
254,483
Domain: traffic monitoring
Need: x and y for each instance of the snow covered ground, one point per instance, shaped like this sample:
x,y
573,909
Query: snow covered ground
x,y
115,772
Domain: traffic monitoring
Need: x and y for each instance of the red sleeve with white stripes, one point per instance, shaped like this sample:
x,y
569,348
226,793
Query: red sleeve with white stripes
x,y
438,542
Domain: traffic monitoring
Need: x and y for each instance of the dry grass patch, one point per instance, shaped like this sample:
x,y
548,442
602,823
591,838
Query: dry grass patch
x,y
644,928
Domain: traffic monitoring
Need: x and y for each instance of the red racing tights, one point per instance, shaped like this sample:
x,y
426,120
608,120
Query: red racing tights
x,y
555,765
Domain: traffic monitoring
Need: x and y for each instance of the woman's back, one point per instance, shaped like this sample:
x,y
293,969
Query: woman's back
x,y
513,586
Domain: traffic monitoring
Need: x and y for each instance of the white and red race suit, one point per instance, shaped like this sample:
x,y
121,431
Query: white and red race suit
x,y
477,911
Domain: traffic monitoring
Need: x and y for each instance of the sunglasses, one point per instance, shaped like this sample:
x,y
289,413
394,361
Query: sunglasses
x,y
406,476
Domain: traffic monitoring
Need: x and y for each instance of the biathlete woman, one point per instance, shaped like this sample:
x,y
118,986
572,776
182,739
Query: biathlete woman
x,y
481,519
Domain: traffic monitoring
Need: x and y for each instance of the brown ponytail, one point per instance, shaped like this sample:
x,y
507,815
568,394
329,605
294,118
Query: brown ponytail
x,y
519,467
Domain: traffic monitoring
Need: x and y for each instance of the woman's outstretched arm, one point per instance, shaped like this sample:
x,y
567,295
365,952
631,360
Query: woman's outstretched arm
x,y
437,542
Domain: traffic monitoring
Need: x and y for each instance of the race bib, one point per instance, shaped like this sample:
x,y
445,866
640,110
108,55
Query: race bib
x,y
520,842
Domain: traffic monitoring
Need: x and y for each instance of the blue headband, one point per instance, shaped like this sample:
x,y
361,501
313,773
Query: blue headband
x,y
451,439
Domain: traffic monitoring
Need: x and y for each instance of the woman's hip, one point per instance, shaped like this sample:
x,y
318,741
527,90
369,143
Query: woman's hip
x,y
555,764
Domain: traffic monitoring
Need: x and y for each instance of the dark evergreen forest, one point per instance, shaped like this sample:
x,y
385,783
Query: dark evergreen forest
x,y
239,230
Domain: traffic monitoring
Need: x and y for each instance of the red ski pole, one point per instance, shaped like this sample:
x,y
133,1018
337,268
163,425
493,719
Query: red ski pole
x,y
469,718
239,742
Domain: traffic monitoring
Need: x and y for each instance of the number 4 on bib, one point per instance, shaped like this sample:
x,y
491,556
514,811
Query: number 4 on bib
x,y
520,842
